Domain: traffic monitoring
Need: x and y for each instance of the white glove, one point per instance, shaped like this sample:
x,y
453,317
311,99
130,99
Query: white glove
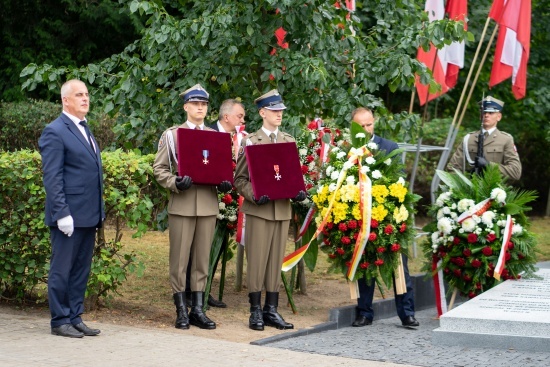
x,y
66,225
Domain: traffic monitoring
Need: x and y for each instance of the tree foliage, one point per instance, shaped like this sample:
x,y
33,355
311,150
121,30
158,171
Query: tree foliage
x,y
328,66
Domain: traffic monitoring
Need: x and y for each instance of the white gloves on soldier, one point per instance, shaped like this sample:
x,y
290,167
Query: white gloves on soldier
x,y
66,225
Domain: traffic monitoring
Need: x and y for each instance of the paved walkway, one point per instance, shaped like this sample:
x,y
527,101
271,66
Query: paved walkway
x,y
26,341
387,340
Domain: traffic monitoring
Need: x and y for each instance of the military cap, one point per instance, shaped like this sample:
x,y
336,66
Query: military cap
x,y
195,94
272,100
491,104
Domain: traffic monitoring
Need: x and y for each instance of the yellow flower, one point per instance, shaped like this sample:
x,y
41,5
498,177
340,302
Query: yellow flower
x,y
400,214
356,212
349,193
399,191
379,212
320,217
339,211
379,193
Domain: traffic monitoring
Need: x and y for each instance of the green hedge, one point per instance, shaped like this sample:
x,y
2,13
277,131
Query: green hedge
x,y
132,199
22,123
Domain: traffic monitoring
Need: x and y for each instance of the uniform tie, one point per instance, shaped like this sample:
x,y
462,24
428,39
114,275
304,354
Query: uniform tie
x,y
88,134
272,137
485,134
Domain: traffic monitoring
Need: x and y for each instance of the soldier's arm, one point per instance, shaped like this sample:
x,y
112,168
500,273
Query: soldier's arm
x,y
511,165
457,159
242,176
161,166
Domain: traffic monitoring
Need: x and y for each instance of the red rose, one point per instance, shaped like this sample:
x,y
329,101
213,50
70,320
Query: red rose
x,y
491,237
456,240
487,251
403,227
504,272
312,125
340,251
467,278
442,254
491,266
507,256
332,256
372,236
379,262
490,273
467,252
521,256
348,263
345,240
476,263
228,199
472,238
326,240
510,245
373,223
446,270
318,151
364,265
355,235
471,295
330,225
478,285
309,186
395,247
380,250
352,224
310,159
388,229
304,170
342,227
457,273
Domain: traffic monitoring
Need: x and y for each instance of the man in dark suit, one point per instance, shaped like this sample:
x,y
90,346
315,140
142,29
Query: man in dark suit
x,y
73,179
231,115
404,303
267,221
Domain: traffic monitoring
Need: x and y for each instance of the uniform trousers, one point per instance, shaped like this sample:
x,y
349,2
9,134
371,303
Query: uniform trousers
x,y
265,249
190,237
70,265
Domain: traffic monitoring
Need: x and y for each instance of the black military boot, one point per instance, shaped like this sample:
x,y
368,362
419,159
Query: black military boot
x,y
271,316
182,319
197,317
256,321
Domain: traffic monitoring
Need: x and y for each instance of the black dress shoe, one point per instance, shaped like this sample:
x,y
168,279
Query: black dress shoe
x,y
67,330
361,321
86,330
215,303
410,321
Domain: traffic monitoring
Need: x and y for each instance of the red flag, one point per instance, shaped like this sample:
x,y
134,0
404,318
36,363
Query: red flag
x,y
513,44
454,53
435,11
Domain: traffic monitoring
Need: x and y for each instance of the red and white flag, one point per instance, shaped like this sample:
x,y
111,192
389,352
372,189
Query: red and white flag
x,y
436,11
513,43
454,53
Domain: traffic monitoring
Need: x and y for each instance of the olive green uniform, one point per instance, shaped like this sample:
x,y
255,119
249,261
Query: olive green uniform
x,y
267,225
191,219
498,148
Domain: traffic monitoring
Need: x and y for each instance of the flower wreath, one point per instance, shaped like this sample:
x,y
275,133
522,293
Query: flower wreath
x,y
479,232
342,211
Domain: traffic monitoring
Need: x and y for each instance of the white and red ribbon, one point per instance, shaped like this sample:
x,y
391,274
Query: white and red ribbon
x,y
478,209
307,221
439,287
501,263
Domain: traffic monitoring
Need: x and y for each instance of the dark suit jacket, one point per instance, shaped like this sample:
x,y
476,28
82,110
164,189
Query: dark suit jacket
x,y
214,126
73,175
385,144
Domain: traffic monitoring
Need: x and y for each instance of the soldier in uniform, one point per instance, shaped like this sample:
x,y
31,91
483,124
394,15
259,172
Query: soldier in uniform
x,y
498,146
192,212
267,221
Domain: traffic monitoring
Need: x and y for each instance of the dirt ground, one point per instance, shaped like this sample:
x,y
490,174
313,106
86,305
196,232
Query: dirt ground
x,y
232,322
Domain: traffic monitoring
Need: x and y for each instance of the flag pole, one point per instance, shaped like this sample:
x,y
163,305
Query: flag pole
x,y
477,74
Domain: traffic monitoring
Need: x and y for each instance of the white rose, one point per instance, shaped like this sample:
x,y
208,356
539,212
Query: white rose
x,y
302,151
370,160
401,181
373,146
340,155
364,169
469,225
329,170
332,187
446,210
232,218
517,229
350,180
334,175
347,165
499,195
445,225
488,217
387,162
221,206
376,174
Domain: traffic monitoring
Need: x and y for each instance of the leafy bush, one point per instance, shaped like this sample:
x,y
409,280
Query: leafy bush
x,y
131,198
21,124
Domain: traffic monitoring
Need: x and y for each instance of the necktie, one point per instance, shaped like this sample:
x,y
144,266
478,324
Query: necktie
x,y
272,137
88,134
197,127
485,134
